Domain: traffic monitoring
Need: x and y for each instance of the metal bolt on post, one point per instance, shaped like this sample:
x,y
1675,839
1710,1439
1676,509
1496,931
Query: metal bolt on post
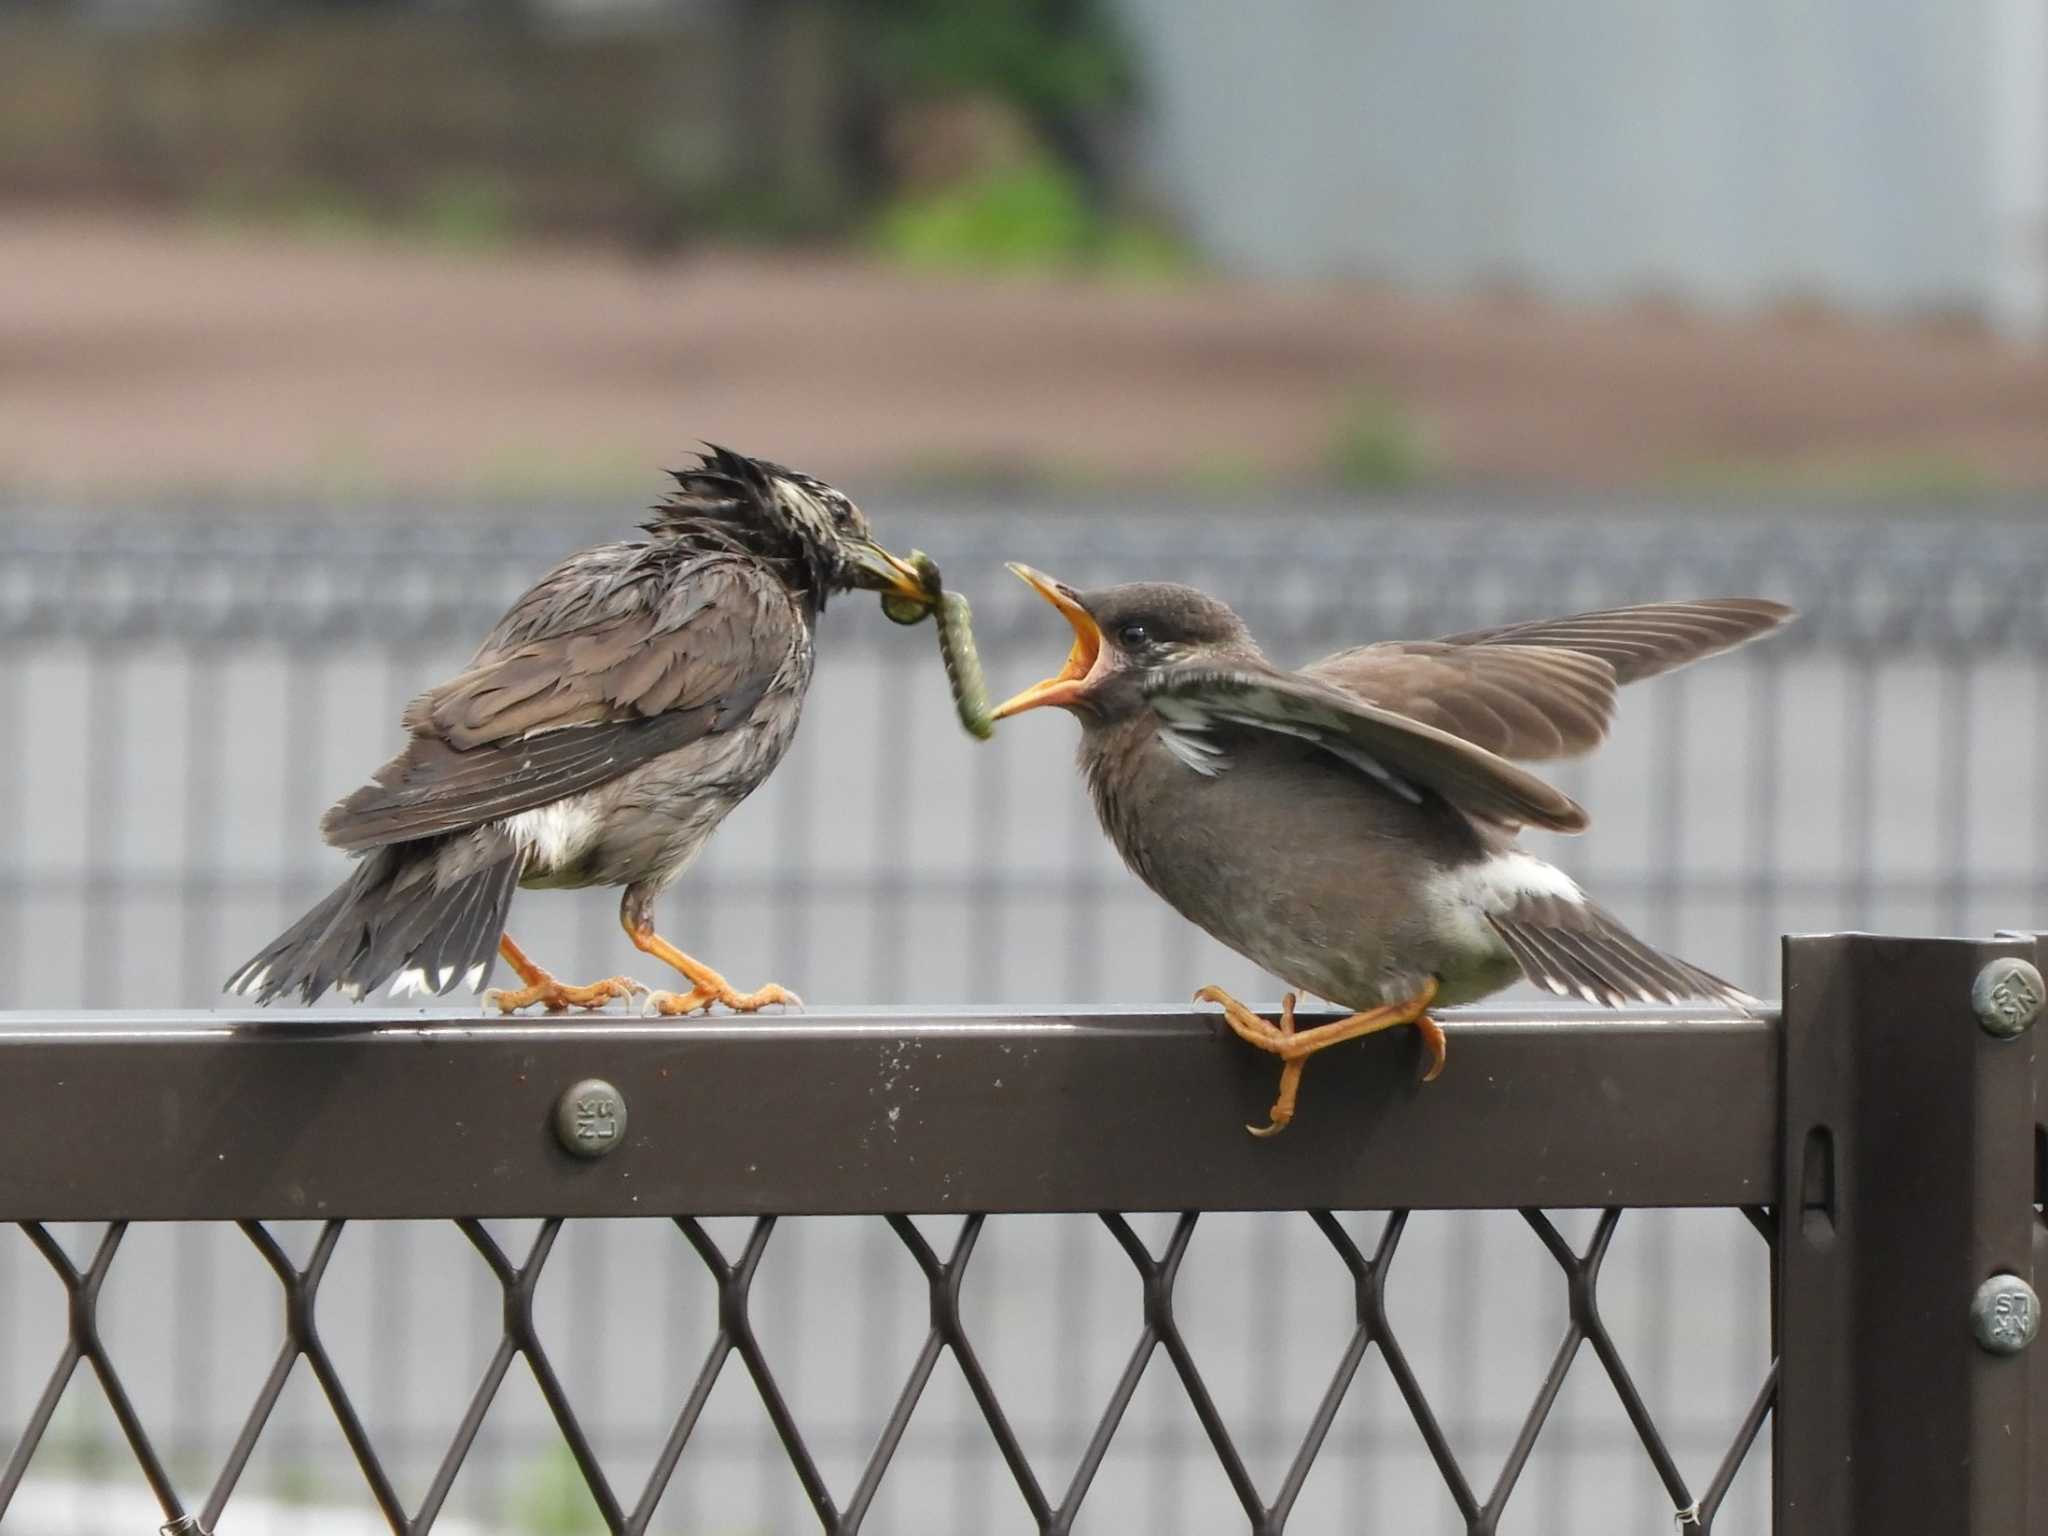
x,y
2005,1314
2007,996
590,1118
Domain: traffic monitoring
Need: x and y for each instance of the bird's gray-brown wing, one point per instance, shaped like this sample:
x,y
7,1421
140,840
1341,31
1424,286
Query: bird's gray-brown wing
x,y
617,657
1543,689
1405,755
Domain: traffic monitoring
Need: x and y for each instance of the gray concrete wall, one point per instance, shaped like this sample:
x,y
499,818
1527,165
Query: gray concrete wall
x,y
1883,155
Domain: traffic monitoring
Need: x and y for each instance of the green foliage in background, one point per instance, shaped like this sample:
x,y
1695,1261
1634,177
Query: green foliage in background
x,y
1376,445
297,1482
1029,215
463,210
340,128
553,1499
469,210
1033,217
1872,476
310,209
1050,57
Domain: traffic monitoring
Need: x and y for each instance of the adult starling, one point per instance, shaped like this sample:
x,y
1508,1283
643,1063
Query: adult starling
x,y
621,708
1351,826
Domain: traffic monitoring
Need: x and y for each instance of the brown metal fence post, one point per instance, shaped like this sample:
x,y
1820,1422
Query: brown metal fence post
x,y
2037,1359
1907,1238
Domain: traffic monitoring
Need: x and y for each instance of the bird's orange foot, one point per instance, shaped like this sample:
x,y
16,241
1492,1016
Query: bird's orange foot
x,y
706,985
555,996
704,995
1267,1036
551,994
1294,1046
1249,1026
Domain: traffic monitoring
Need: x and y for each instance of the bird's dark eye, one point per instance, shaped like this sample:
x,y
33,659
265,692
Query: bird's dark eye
x,y
1133,636
842,514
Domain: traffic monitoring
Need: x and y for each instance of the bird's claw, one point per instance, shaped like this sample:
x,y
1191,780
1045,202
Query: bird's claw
x,y
1434,1044
1294,1046
1250,1027
1267,1036
675,1004
556,996
670,1004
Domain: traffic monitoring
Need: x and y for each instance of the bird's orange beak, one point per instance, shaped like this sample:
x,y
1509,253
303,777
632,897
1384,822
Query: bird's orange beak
x,y
1065,685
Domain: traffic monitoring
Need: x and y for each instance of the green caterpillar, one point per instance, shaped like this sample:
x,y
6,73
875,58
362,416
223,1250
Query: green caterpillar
x,y
956,643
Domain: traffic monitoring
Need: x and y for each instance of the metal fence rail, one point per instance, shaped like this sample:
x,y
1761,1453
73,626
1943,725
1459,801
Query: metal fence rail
x,y
1884,1136
408,1113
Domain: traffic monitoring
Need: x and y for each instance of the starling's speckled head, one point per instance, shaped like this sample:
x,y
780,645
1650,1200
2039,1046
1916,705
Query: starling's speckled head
x,y
811,530
1120,634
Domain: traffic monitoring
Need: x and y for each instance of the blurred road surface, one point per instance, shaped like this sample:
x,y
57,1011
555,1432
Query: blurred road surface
x,y
137,354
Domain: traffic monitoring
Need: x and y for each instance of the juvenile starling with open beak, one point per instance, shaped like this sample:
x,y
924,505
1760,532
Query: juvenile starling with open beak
x,y
1351,826
616,714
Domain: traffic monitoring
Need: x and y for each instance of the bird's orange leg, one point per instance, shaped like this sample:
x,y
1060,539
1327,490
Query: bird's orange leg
x,y
1294,1047
549,993
706,985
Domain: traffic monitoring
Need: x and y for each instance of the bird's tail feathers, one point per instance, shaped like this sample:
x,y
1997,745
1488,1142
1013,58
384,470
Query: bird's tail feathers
x,y
394,917
1577,949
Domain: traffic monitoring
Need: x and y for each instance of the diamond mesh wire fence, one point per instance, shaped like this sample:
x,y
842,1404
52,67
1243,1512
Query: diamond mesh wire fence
x,y
193,689
736,1344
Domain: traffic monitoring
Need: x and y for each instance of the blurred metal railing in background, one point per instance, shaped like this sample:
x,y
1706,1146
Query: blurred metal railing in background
x,y
200,687
1889,1417
189,689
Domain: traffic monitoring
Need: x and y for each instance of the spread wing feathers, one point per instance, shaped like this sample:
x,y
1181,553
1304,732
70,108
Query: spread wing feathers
x,y
1543,689
1646,639
1576,949
1405,754
615,658
1516,701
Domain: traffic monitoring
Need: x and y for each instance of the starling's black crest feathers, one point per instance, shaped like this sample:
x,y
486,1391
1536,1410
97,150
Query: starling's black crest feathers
x,y
393,916
724,488
776,514
1577,949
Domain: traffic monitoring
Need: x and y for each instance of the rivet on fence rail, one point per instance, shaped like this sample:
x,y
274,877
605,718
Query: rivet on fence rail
x,y
590,1117
2005,1314
2007,996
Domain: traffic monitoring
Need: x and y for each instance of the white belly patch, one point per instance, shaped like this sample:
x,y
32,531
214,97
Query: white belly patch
x,y
555,836
1460,900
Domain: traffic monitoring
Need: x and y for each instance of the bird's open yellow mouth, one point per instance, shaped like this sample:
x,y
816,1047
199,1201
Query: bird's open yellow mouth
x,y
1065,685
